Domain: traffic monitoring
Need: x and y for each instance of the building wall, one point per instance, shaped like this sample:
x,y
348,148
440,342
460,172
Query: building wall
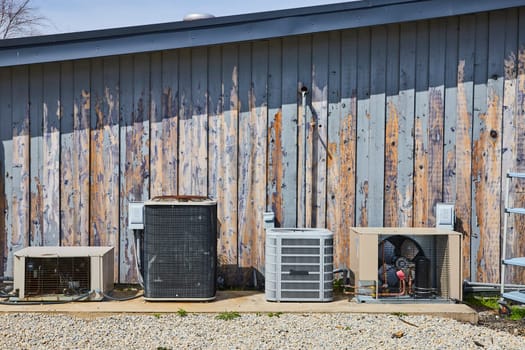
x,y
397,118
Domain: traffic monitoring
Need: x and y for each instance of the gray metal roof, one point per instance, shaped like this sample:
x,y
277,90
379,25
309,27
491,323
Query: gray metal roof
x,y
220,30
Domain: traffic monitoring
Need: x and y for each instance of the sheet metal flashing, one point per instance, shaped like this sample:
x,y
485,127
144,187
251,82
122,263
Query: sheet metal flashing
x,y
238,28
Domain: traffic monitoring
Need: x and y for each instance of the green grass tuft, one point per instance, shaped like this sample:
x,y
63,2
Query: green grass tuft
x,y
275,314
228,315
182,312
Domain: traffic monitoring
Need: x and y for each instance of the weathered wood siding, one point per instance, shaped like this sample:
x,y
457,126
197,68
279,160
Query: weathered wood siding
x,y
397,119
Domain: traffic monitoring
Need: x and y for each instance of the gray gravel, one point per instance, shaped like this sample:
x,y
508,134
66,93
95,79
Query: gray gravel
x,y
250,331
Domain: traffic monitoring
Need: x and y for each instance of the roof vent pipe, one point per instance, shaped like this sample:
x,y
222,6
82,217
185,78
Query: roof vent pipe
x,y
197,16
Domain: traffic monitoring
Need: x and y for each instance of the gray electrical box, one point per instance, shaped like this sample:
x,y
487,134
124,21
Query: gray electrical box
x,y
445,216
136,215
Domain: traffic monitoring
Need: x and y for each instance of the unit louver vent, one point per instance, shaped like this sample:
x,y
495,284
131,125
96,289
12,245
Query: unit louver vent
x,y
299,265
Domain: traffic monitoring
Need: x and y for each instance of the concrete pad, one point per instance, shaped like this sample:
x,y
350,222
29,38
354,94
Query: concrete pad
x,y
250,301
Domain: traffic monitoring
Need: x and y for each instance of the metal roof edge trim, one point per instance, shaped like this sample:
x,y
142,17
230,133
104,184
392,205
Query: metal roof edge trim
x,y
222,30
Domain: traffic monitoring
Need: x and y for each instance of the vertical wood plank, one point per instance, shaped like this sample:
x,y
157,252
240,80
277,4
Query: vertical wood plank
x,y
486,164
518,241
376,131
51,156
304,181
67,145
436,115
36,103
363,126
478,146
193,123
156,128
185,124
465,78
319,125
510,141
421,169
75,155
215,118
334,211
134,135
392,131
227,154
406,110
253,73
347,142
6,144
276,164
105,216
450,123
20,170
288,216
170,122
199,129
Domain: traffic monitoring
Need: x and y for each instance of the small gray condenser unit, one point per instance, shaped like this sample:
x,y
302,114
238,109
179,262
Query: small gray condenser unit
x,y
299,264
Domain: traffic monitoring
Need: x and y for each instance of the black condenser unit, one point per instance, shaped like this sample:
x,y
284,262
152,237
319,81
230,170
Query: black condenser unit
x,y
180,248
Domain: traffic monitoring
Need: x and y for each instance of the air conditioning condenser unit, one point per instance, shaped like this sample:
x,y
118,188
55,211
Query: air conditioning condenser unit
x,y
299,264
406,264
63,273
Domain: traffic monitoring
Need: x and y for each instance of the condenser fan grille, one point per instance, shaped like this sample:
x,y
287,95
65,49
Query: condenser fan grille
x,y
65,275
180,247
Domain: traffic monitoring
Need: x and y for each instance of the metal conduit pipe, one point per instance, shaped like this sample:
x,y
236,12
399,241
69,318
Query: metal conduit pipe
x,y
469,286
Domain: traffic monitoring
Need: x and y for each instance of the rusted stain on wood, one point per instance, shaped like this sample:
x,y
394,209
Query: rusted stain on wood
x,y
347,185
275,140
463,166
392,197
486,172
421,188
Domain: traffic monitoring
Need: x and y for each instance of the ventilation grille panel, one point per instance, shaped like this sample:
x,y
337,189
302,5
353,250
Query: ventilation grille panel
x,y
299,265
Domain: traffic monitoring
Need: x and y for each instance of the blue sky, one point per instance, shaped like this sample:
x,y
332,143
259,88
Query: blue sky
x,y
81,15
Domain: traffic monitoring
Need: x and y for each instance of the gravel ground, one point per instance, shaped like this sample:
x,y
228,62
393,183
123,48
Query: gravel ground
x,y
249,331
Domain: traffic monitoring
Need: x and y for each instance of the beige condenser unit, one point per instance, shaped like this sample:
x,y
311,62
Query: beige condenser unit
x,y
63,273
406,264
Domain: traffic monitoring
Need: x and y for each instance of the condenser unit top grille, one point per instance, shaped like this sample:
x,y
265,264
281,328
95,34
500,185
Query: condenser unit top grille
x,y
310,236
62,252
181,200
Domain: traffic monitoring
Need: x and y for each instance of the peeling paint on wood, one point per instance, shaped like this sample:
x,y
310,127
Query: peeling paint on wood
x,y
6,137
51,158
36,111
20,170
487,172
105,156
227,153
464,137
252,154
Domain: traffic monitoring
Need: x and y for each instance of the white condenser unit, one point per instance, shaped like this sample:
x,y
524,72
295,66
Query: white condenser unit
x,y
406,264
299,264
63,273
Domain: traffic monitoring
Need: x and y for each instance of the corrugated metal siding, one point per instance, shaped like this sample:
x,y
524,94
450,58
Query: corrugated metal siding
x,y
398,118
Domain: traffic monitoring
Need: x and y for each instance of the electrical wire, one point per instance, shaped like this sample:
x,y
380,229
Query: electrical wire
x,y
107,296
